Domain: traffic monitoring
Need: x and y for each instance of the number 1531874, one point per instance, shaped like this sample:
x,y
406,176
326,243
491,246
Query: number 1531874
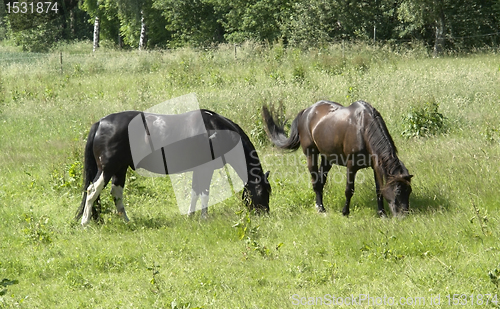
x,y
38,7
472,299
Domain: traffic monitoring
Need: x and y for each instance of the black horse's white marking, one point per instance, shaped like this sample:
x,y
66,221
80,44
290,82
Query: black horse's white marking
x,y
168,144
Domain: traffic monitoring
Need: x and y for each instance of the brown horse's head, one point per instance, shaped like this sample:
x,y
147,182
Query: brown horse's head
x,y
397,193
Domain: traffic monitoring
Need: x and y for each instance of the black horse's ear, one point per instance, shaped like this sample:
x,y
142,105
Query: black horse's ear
x,y
245,196
408,177
267,175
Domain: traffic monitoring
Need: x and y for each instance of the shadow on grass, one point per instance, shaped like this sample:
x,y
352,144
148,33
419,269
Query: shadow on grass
x,y
364,199
152,223
428,203
115,223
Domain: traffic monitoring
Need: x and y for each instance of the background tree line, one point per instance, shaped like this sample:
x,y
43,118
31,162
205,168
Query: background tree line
x,y
439,24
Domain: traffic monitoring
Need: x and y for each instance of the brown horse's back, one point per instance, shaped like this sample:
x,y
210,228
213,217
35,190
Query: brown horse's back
x,y
335,131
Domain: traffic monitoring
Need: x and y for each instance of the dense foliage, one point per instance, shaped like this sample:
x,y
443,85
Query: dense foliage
x,y
447,24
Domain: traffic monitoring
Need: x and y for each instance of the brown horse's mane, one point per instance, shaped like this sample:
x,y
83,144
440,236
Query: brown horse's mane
x,y
382,144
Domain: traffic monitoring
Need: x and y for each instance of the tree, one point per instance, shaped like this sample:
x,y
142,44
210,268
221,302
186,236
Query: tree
x,y
131,19
104,18
472,23
192,22
448,23
322,21
36,32
3,23
91,7
311,23
441,24
258,20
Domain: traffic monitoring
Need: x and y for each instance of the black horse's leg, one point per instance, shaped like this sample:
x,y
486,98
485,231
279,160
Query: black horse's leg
x,y
96,210
349,188
194,200
202,177
380,200
312,165
117,186
93,192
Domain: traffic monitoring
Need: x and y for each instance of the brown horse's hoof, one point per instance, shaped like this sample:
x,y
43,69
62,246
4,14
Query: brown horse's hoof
x,y
382,214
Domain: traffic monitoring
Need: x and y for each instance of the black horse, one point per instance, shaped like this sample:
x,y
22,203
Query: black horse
x,y
199,141
356,137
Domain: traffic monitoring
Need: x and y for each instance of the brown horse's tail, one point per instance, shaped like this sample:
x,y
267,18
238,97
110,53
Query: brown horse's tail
x,y
277,134
89,169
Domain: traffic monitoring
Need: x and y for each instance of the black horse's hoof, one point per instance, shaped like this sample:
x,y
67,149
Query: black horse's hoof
x,y
320,208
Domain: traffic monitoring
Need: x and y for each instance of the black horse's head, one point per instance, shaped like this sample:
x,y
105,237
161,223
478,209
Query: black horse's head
x,y
257,192
397,193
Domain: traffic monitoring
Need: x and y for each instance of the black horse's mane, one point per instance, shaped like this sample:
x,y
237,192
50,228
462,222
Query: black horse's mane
x,y
381,142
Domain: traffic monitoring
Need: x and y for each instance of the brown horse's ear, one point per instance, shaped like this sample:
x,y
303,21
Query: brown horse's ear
x,y
408,177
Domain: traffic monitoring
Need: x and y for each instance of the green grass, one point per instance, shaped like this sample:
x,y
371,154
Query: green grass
x,y
161,259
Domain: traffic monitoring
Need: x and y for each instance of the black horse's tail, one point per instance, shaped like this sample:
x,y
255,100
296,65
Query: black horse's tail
x,y
89,169
277,133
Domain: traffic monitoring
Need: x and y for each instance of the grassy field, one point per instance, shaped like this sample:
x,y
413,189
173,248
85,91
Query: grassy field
x,y
293,257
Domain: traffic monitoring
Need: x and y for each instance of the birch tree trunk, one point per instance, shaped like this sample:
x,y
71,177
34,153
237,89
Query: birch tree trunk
x,y
439,40
143,38
97,25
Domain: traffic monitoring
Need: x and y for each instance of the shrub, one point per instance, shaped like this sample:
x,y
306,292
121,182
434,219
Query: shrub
x,y
423,121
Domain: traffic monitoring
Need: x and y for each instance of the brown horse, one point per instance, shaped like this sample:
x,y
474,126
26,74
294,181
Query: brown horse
x,y
355,137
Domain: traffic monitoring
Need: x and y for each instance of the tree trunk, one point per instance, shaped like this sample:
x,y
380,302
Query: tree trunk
x,y
143,38
439,42
3,30
97,25
120,40
72,22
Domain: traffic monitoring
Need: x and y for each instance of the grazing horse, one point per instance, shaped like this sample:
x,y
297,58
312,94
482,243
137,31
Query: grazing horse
x,y
355,137
110,151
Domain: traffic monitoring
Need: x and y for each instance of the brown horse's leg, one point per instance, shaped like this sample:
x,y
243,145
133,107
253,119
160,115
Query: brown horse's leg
x,y
324,168
380,200
349,188
312,165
